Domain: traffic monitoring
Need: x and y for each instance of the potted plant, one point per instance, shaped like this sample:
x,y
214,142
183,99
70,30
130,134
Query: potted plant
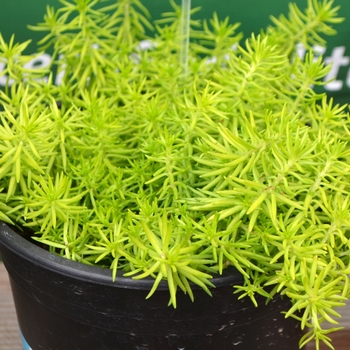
x,y
172,161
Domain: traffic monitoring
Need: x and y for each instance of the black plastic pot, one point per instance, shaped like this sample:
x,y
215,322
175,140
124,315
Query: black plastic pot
x,y
64,305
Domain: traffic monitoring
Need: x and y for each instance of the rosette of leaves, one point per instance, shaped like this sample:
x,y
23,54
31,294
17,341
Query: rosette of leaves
x,y
133,165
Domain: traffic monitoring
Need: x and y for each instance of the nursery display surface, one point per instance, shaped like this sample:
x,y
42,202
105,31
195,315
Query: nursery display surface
x,y
194,162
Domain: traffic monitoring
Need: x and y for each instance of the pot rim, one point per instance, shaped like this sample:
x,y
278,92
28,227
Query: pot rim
x,y
12,241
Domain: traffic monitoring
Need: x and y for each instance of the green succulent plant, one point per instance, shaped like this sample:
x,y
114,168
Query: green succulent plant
x,y
157,165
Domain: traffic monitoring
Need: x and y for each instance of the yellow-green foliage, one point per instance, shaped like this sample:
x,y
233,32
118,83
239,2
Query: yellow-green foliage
x,y
132,164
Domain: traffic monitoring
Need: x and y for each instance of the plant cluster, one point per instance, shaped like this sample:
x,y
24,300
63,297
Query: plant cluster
x,y
137,163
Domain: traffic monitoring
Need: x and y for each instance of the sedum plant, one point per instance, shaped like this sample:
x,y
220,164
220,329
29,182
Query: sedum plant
x,y
140,164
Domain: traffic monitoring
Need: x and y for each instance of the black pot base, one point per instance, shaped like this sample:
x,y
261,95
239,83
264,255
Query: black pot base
x,y
64,305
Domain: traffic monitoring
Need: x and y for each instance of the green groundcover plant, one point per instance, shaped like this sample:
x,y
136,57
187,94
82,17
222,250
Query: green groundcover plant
x,y
157,164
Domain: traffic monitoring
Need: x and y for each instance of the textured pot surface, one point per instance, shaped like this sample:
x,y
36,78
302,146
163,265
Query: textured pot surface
x,y
64,305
